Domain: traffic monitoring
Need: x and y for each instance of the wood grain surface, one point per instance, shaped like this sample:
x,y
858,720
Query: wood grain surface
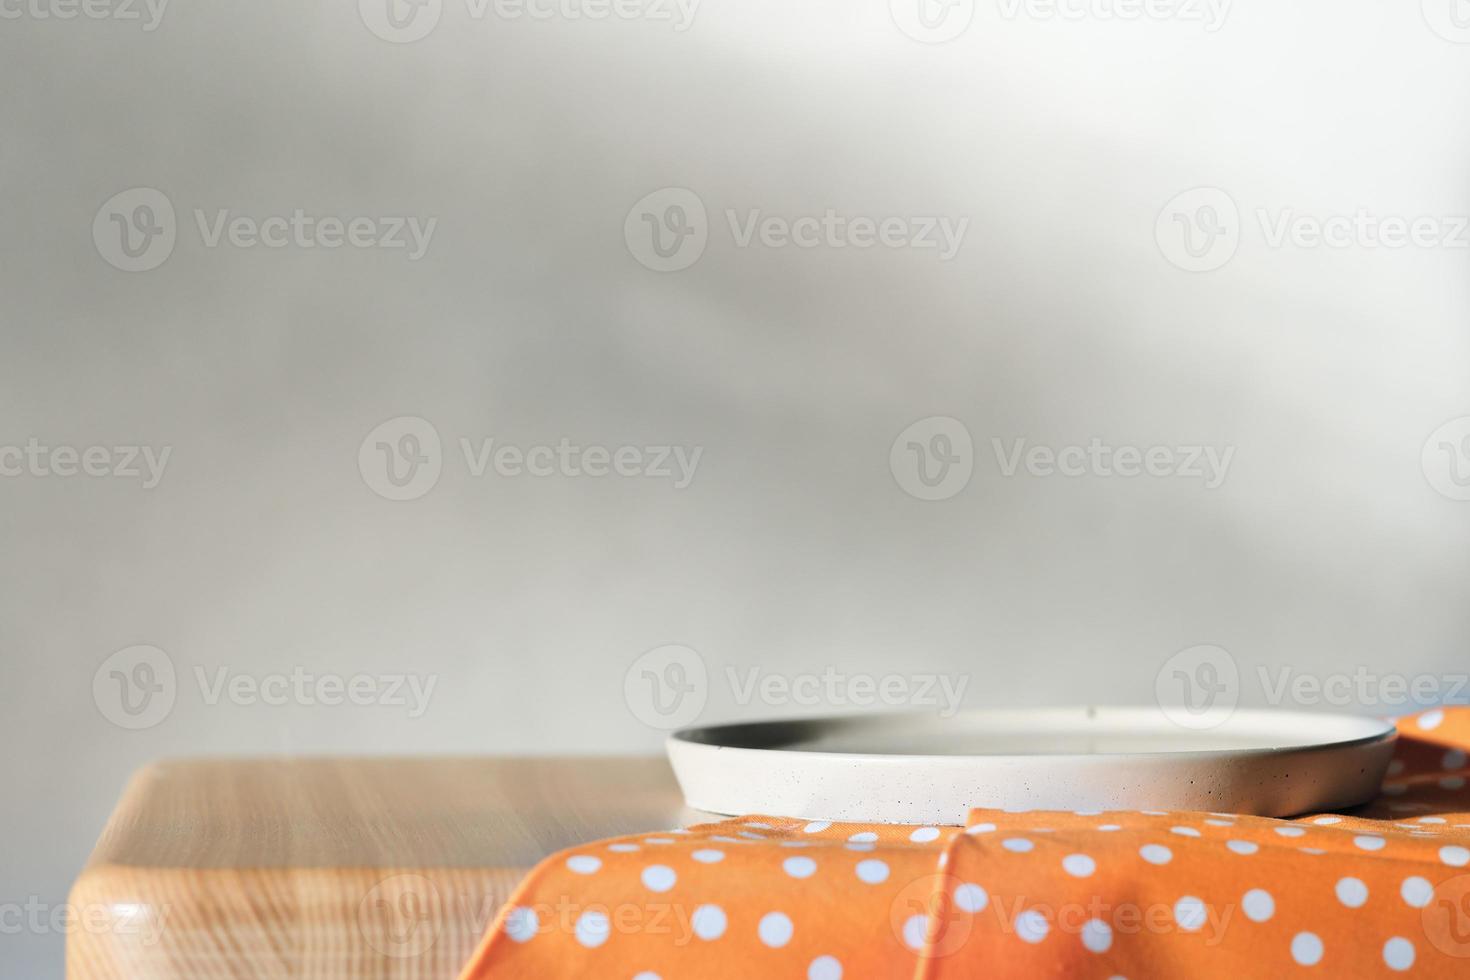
x,y
337,869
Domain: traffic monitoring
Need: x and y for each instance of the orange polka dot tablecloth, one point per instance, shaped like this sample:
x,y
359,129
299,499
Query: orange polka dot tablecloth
x,y
1382,891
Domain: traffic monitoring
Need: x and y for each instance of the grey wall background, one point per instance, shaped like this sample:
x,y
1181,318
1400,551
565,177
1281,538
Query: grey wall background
x,y
1337,540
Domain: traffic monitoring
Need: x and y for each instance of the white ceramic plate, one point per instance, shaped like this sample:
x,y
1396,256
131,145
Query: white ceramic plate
x,y
919,768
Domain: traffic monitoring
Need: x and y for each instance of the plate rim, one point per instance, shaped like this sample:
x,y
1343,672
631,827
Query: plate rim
x,y
681,739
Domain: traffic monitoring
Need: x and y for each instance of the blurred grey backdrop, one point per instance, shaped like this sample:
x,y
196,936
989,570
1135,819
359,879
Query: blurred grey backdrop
x,y
1086,300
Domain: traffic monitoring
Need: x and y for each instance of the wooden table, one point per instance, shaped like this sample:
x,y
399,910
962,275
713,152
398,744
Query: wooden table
x,y
337,869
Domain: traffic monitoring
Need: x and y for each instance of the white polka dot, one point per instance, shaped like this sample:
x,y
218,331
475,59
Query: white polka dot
x,y
1190,913
592,929
816,827
659,877
1352,892
1156,854
752,836
708,856
583,864
1430,720
1453,759
760,825
799,867
623,848
943,858
1243,846
1290,831
1396,767
914,930
521,924
824,968
1452,782
1431,820
1311,850
861,848
1416,891
647,975
1369,842
872,871
1097,935
1455,856
924,835
1258,905
1184,831
866,837
1306,948
1078,865
1019,845
1398,953
1088,813
728,840
1109,826
971,898
775,929
1326,821
1031,926
708,922
1154,813
796,843
1213,822
981,828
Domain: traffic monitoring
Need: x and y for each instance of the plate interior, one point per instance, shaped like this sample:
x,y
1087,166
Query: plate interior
x,y
1082,731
